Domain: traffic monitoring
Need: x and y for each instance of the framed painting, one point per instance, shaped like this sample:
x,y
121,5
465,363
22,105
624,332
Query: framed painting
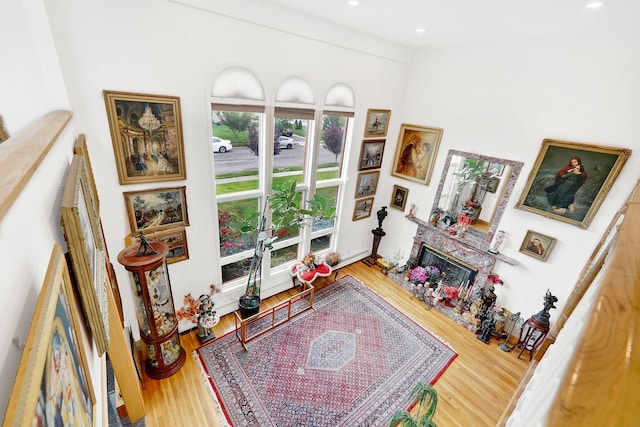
x,y
155,210
371,154
86,247
492,184
362,208
416,152
377,123
569,180
367,183
399,197
146,133
176,239
53,383
80,148
537,245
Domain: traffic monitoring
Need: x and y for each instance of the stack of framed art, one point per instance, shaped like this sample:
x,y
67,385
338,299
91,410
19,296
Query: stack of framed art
x,y
370,161
146,132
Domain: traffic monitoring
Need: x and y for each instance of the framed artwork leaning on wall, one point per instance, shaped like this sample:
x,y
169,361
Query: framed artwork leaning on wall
x,y
87,251
53,383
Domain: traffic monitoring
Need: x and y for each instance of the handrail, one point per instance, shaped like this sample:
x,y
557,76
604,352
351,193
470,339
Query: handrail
x,y
602,383
307,290
21,154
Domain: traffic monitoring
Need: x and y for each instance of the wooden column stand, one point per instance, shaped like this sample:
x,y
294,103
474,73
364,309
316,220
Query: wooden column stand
x,y
154,308
378,233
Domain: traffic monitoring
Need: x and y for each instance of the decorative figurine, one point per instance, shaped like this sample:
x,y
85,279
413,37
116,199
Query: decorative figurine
x,y
206,319
488,325
497,241
382,214
145,248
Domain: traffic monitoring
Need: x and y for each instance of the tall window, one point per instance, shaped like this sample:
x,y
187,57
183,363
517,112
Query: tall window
x,y
255,149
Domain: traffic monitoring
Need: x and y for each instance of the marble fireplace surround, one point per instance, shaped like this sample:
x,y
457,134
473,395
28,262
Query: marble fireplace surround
x,y
470,251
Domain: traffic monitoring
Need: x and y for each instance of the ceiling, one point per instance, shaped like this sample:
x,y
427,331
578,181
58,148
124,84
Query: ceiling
x,y
449,22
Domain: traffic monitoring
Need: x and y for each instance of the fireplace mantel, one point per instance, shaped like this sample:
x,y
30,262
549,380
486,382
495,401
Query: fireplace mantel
x,y
458,247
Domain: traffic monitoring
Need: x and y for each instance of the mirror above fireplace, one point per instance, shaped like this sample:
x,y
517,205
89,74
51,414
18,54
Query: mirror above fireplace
x,y
477,187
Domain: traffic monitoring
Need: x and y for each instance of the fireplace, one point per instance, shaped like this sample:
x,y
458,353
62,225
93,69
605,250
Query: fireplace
x,y
456,272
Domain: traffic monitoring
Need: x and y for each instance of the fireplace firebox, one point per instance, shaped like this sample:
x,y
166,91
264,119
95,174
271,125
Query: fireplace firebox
x,y
456,272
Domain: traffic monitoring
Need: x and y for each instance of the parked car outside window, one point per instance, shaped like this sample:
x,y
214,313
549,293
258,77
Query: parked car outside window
x,y
286,142
221,145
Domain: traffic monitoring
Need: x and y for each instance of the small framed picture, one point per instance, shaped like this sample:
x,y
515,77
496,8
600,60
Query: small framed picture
x,y
158,209
399,197
367,184
371,154
362,209
377,123
492,184
496,169
176,239
537,245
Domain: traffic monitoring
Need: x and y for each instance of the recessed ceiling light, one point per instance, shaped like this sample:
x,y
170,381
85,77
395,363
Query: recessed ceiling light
x,y
594,4
420,30
353,2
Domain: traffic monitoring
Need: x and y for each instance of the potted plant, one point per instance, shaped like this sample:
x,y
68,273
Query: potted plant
x,y
286,211
427,399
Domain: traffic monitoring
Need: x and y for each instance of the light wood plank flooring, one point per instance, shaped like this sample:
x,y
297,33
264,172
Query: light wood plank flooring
x,y
473,391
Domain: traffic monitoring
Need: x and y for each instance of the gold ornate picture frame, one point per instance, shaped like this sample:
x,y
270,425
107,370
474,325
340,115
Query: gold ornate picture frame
x,y
377,123
367,184
537,245
416,152
53,383
570,180
399,197
157,209
85,243
146,132
362,209
176,239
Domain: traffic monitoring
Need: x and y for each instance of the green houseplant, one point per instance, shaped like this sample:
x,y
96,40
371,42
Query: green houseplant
x,y
427,399
286,212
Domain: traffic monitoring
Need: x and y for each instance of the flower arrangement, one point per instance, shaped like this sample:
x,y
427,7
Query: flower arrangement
x,y
419,274
434,273
333,258
495,279
450,292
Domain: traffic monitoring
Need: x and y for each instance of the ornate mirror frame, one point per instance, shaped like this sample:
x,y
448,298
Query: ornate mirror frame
x,y
511,171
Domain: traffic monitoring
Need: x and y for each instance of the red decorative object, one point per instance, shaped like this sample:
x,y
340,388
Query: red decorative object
x,y
309,275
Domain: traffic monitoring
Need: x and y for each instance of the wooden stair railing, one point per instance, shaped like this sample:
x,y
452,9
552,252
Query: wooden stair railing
x,y
602,384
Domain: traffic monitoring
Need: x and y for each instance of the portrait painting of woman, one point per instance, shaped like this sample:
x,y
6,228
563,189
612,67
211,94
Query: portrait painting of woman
x,y
416,152
569,180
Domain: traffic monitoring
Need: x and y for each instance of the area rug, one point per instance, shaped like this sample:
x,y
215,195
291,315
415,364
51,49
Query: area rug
x,y
353,362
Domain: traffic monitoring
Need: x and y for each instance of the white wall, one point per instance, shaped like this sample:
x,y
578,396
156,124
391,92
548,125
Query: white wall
x,y
169,48
502,100
31,86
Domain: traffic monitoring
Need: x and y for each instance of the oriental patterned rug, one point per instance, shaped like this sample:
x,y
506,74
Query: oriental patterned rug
x,y
351,363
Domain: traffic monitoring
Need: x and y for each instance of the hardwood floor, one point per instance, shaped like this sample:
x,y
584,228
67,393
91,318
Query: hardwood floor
x,y
473,391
